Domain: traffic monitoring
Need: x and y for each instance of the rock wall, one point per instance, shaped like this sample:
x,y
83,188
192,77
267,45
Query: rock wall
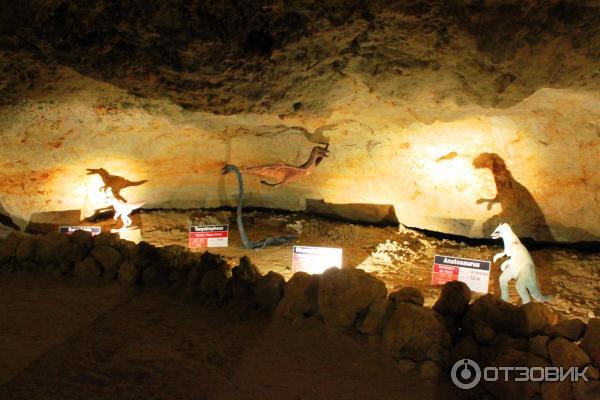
x,y
430,341
422,106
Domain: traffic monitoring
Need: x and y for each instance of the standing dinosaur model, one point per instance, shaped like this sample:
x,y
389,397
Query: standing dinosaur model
x,y
114,182
269,241
123,209
282,173
519,266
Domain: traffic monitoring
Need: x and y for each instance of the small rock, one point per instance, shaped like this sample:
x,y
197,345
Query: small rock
x,y
87,269
345,294
417,333
591,341
538,345
592,373
531,319
269,290
246,271
583,390
504,342
300,297
129,272
406,365
564,353
9,245
408,295
373,322
571,329
155,275
490,310
107,239
213,282
82,243
26,249
53,248
466,347
429,371
513,389
195,276
454,299
483,333
109,259
557,390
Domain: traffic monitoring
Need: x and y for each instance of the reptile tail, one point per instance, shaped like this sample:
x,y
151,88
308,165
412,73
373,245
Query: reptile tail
x,y
243,237
137,183
535,292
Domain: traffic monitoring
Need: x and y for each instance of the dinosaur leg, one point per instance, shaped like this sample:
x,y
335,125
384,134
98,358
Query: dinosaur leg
x,y
504,278
126,221
522,290
119,197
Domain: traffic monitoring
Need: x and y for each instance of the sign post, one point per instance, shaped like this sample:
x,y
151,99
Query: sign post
x,y
475,273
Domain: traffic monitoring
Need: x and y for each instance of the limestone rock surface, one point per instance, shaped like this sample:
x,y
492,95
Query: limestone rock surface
x,y
424,107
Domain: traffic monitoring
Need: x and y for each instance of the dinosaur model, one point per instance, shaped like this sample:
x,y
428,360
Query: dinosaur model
x,y
123,209
282,173
269,241
114,182
519,266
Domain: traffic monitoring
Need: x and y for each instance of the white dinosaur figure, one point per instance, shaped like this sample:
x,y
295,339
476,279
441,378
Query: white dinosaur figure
x,y
519,266
123,209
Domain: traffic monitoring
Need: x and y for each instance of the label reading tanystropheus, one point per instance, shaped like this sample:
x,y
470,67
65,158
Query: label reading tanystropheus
x,y
315,260
475,273
208,236
95,230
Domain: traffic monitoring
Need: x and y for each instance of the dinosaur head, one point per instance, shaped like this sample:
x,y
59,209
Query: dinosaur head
x,y
492,161
92,171
319,153
501,231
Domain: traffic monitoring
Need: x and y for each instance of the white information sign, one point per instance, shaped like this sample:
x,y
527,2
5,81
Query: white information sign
x,y
315,260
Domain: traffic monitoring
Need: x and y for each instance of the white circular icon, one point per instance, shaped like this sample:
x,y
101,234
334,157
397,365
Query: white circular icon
x,y
465,374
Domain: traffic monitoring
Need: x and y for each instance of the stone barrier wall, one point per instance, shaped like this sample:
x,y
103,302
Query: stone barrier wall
x,y
487,330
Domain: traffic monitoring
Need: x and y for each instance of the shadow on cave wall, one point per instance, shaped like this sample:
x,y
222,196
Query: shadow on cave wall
x,y
519,208
7,220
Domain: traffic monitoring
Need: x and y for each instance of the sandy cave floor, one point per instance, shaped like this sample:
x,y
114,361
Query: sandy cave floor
x,y
399,258
76,340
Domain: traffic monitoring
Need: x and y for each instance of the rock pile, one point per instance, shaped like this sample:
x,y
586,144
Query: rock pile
x,y
427,340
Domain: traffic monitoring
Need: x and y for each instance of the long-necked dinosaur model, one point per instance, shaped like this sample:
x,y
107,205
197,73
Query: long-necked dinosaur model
x,y
114,182
245,242
519,266
282,173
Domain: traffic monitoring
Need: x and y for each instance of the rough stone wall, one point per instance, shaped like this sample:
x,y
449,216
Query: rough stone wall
x,y
424,105
487,330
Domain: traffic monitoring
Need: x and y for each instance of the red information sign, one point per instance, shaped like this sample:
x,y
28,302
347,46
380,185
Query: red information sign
x,y
208,236
475,273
